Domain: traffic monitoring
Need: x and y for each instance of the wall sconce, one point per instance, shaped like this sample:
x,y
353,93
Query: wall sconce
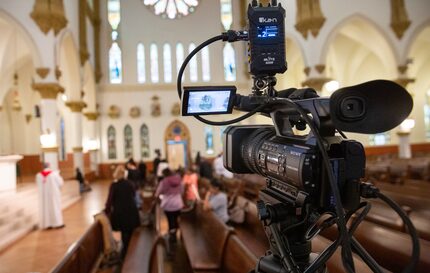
x,y
407,125
48,140
91,145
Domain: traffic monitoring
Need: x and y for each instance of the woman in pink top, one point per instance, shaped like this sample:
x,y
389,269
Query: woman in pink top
x,y
191,187
170,192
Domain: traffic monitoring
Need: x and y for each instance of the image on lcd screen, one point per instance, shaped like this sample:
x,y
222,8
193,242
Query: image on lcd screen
x,y
267,31
208,102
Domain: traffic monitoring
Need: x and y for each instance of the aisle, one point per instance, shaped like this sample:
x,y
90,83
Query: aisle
x,y
40,250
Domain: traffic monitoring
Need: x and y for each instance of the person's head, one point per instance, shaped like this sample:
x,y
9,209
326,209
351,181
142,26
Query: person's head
x,y
191,169
131,165
119,173
157,152
181,171
167,172
215,186
78,170
46,165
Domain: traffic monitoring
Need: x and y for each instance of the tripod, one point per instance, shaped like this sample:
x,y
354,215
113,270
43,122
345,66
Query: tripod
x,y
288,253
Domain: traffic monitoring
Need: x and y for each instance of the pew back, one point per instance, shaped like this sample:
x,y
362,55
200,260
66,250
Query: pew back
x,y
85,255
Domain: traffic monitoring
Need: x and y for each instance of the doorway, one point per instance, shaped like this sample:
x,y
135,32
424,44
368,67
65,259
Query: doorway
x,y
177,141
177,154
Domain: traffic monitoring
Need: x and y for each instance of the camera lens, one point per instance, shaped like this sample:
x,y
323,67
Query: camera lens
x,y
252,145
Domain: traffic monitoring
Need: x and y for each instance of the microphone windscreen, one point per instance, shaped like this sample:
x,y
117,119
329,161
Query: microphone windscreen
x,y
371,107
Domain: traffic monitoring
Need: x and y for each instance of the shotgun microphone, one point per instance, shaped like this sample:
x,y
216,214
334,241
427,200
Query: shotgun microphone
x,y
371,107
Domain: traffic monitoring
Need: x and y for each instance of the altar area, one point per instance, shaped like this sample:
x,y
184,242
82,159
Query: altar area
x,y
19,207
8,172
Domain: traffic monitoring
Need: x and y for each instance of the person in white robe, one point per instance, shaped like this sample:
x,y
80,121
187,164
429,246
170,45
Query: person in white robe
x,y
49,184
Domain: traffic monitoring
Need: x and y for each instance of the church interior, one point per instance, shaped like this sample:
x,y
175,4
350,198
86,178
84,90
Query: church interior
x,y
88,92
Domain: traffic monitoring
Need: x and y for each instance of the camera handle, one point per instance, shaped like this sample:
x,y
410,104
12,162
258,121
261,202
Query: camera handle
x,y
290,254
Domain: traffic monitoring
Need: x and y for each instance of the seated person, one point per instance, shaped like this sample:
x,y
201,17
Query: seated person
x,y
216,200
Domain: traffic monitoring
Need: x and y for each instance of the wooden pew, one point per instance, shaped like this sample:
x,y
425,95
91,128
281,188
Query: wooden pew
x,y
156,258
237,258
85,255
390,248
139,253
211,245
204,237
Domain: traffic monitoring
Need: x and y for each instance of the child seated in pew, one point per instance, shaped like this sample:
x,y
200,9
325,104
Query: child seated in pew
x,y
216,200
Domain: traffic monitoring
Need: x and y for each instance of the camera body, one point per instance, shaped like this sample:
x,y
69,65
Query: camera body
x,y
293,165
266,40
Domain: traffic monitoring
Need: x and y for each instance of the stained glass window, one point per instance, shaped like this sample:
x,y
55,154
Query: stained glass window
x,y
111,136
167,60
114,16
154,63
193,64
62,140
226,14
172,8
229,63
380,139
144,141
209,138
141,77
179,56
206,72
427,114
128,142
115,64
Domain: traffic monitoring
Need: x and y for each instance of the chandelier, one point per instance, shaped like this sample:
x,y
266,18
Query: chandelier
x,y
172,9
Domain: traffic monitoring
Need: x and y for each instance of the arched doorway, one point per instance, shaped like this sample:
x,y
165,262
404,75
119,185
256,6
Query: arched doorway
x,y
177,141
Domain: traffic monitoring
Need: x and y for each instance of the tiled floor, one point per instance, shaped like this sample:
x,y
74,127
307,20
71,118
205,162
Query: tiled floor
x,y
41,250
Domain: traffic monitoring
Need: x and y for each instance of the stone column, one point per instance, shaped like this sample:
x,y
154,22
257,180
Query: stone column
x,y
76,133
48,112
92,126
404,145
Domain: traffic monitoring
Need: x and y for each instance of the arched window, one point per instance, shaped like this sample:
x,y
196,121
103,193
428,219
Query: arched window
x,y
427,114
63,154
144,141
128,142
229,63
111,136
226,14
115,63
193,64
141,77
114,14
380,139
179,57
167,60
154,63
206,66
209,139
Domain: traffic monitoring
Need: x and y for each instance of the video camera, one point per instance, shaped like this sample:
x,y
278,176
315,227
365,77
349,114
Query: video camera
x,y
307,175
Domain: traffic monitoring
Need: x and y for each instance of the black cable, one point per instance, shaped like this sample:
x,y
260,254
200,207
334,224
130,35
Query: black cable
x,y
365,256
347,261
230,36
411,229
328,252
